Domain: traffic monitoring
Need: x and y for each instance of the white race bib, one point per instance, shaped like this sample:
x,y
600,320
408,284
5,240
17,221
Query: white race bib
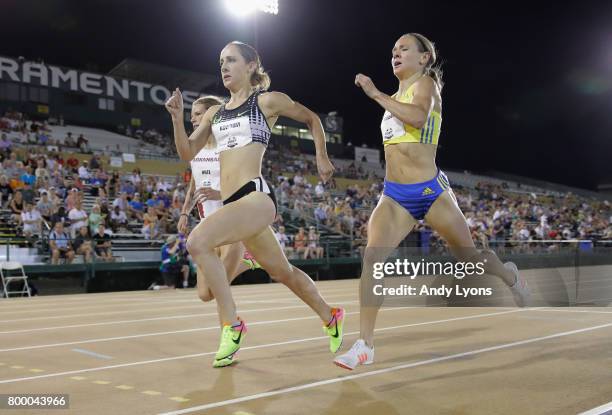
x,y
206,169
232,133
391,127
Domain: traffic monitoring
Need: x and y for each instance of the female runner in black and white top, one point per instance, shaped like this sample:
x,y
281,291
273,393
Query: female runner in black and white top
x,y
242,130
205,195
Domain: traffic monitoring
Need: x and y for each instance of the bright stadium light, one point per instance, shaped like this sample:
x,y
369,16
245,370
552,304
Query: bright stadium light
x,y
269,6
243,8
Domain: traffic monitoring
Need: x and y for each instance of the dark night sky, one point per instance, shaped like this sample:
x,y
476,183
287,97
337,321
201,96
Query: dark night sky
x,y
528,87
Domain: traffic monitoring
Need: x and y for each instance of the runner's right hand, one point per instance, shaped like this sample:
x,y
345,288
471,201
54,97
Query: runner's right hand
x,y
182,225
174,105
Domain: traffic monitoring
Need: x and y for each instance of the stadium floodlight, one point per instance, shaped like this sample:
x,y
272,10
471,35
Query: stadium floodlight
x,y
243,8
269,6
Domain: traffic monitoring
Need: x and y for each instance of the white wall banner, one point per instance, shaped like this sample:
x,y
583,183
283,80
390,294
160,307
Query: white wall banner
x,y
40,74
116,162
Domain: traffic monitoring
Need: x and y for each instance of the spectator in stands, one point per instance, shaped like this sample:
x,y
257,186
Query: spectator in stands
x,y
118,219
150,185
103,244
41,169
16,206
95,163
187,175
121,202
319,189
69,140
15,180
285,241
178,197
299,208
71,199
299,241
59,216
10,165
313,249
42,183
29,180
163,216
31,220
78,218
128,188
82,143
150,228
30,159
172,265
72,164
5,144
152,200
163,197
136,177
298,179
95,219
45,206
136,208
6,191
56,175
102,197
83,244
113,184
162,184
84,173
43,138
97,183
52,193
320,214
50,162
61,246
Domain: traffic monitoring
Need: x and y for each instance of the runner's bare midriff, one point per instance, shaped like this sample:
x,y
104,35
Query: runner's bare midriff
x,y
239,166
410,162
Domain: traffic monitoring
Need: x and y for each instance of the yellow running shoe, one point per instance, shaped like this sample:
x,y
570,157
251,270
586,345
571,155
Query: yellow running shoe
x,y
231,339
335,329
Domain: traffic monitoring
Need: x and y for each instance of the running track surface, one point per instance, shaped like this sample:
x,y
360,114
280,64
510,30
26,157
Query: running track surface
x,y
151,352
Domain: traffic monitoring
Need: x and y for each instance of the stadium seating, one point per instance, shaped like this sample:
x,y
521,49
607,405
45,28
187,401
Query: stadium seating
x,y
496,209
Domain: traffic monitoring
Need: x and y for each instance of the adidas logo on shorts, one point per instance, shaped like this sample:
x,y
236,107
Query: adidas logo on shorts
x,y
427,192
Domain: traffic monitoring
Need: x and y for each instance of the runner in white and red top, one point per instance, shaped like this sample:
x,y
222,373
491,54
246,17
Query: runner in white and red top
x,y
204,192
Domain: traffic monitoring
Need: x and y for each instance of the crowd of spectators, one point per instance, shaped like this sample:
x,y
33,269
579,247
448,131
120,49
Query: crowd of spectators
x,y
41,186
494,213
150,136
36,133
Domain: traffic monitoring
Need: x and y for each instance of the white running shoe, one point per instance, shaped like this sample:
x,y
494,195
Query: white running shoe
x,y
520,289
359,354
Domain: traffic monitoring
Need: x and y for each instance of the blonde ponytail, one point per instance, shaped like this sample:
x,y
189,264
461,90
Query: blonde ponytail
x,y
431,68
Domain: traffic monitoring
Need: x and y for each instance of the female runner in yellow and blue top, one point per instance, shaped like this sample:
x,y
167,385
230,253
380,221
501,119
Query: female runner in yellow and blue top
x,y
415,188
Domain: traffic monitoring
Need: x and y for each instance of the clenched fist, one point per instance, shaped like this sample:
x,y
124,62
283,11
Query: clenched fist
x,y
365,83
174,105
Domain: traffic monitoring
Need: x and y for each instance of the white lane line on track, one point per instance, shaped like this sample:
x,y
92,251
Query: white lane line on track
x,y
261,346
604,409
197,304
107,323
90,353
31,305
403,366
162,333
194,299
